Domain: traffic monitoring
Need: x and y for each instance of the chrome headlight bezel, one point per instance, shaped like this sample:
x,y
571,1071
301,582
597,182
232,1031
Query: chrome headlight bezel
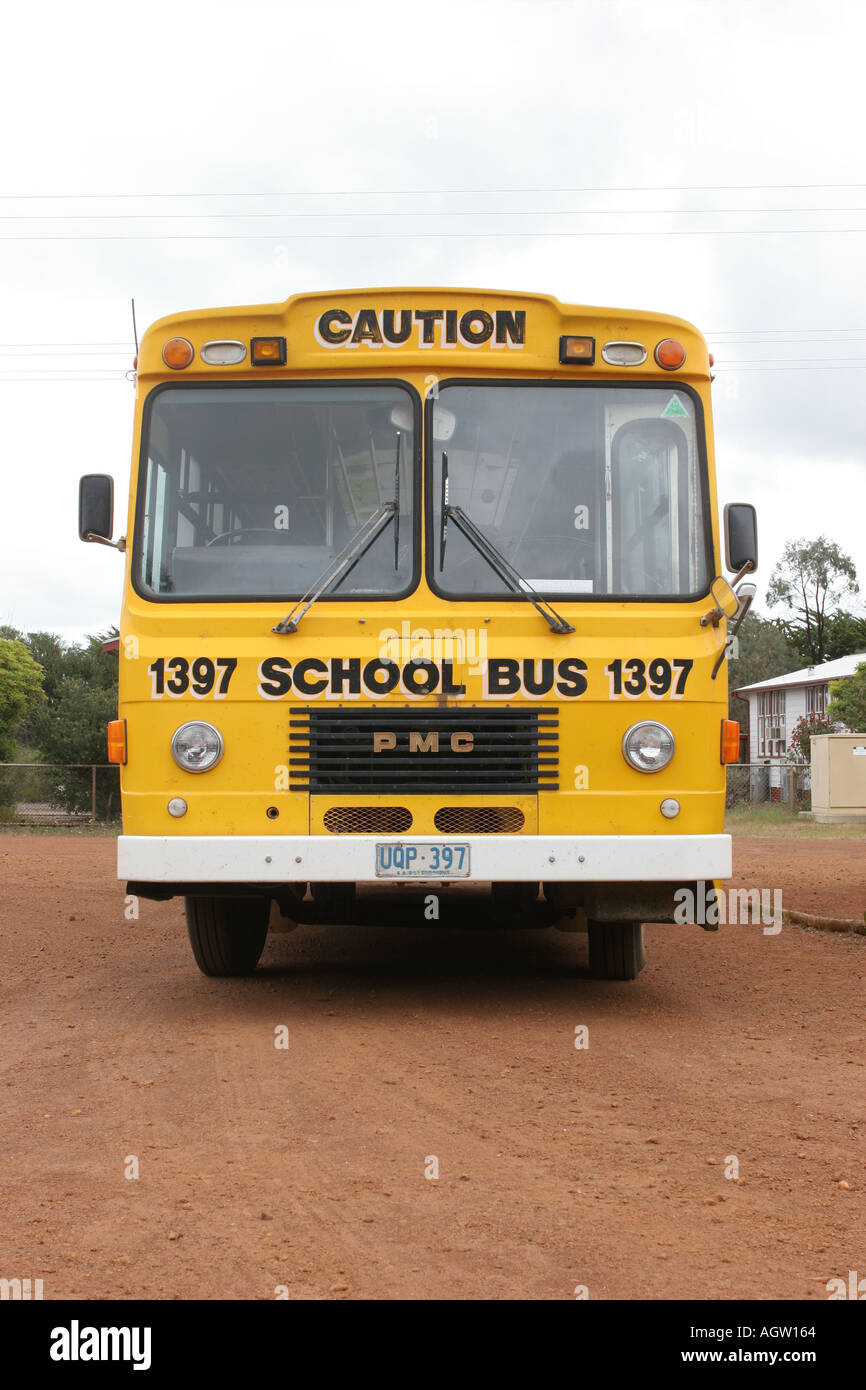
x,y
212,734
667,744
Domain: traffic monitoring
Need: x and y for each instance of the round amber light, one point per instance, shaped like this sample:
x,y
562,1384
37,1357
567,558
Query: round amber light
x,y
670,354
178,353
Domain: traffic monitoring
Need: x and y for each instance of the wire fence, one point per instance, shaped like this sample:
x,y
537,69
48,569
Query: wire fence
x,y
768,784
62,794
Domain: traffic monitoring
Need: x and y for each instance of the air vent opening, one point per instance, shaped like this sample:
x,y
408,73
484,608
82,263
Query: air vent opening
x,y
368,820
479,820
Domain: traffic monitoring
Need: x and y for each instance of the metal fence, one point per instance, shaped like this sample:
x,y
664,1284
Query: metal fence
x,y
59,793
768,784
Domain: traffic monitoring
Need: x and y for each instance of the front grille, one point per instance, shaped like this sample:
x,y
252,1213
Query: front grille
x,y
368,820
479,820
388,748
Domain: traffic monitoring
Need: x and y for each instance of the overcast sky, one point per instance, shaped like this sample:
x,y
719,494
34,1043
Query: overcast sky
x,y
704,158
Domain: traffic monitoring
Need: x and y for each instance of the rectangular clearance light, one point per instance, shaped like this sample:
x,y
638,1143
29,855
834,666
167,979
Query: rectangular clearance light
x,y
223,353
268,352
577,350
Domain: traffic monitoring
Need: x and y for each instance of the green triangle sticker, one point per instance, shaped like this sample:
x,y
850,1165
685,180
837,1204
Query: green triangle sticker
x,y
674,409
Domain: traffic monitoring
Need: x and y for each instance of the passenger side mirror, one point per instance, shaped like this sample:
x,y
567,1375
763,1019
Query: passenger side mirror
x,y
741,537
96,510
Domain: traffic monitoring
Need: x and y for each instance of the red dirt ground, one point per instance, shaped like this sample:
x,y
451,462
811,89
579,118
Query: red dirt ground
x,y
305,1168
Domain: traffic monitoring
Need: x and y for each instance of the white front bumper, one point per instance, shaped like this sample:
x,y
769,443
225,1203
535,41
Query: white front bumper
x,y
352,858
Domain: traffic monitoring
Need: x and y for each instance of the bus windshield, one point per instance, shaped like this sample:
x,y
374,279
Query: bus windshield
x,y
584,489
251,491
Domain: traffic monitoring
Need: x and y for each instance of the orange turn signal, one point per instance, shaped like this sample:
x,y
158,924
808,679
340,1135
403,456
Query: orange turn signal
x,y
670,354
580,350
268,352
730,741
117,741
178,353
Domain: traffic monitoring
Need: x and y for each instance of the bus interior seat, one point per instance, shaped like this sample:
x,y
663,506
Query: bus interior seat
x,y
248,569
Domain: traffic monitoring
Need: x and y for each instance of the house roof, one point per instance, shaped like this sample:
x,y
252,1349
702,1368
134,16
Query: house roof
x,y
810,675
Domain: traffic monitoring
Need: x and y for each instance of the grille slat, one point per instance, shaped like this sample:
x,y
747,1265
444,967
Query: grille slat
x,y
512,750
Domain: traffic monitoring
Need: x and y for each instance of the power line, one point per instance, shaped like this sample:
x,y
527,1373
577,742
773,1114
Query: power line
x,y
708,333
441,192
780,342
438,236
480,212
48,380
33,355
815,367
784,360
98,343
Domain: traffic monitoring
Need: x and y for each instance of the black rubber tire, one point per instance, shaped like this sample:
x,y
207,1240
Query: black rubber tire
x,y
616,950
227,935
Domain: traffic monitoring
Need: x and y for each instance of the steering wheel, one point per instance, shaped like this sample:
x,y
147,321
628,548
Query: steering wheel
x,y
240,531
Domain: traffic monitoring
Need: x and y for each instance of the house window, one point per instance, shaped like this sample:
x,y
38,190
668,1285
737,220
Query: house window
x,y
816,700
771,724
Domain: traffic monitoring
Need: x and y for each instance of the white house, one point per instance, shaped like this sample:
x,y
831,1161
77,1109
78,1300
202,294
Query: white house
x,y
776,705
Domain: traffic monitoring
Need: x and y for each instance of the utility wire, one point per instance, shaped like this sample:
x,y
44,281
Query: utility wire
x,y
442,192
438,236
479,212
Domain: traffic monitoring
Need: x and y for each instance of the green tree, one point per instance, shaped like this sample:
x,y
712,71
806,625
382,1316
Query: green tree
x,y
763,652
848,700
20,690
809,581
846,635
72,730
69,727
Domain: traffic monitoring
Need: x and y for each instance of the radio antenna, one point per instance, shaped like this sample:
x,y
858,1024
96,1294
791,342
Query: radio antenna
x,y
134,328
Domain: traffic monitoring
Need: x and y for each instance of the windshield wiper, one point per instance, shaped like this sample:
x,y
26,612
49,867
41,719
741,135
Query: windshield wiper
x,y
495,559
343,564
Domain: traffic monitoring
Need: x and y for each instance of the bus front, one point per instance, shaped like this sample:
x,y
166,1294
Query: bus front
x,y
423,590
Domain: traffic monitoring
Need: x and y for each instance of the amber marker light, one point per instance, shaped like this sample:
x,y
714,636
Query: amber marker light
x,y
117,741
730,741
268,352
578,351
178,353
670,354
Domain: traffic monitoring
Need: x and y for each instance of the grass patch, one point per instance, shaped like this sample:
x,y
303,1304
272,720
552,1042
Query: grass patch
x,y
88,831
778,821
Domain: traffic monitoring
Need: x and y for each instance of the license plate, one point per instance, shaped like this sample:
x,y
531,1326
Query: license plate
x,y
422,861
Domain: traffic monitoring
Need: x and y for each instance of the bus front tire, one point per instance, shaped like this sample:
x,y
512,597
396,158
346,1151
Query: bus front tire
x,y
616,950
227,935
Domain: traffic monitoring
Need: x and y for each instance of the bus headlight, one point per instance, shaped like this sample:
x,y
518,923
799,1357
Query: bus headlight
x,y
197,747
648,746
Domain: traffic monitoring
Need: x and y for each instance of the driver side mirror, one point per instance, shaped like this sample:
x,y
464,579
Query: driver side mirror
x,y
96,510
741,536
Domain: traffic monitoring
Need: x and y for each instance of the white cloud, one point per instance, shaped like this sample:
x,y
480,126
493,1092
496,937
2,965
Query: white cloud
x,y
288,98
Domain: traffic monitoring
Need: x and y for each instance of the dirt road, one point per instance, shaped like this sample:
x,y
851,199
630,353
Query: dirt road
x,y
303,1168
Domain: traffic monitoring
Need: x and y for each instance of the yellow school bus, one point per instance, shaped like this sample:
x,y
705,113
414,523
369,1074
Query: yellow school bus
x,y
423,591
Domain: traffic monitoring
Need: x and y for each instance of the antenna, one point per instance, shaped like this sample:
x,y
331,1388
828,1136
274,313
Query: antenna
x,y
134,328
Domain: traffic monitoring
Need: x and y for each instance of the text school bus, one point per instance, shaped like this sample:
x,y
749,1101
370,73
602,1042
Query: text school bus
x,y
421,586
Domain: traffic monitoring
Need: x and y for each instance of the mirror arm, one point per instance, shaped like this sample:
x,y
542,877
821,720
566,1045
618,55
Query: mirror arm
x,y
745,605
119,544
